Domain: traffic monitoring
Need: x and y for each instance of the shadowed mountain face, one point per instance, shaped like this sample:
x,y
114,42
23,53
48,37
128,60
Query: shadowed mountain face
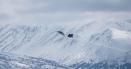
x,y
11,61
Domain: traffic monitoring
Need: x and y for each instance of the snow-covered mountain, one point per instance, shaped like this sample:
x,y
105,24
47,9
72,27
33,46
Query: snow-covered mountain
x,y
11,61
92,42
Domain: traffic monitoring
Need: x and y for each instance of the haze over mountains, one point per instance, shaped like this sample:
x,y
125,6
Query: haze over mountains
x,y
99,38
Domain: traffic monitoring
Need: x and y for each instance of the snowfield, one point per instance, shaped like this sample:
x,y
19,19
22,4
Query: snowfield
x,y
101,42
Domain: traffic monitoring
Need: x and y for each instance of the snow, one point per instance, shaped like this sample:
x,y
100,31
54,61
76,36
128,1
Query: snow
x,y
19,64
98,37
119,34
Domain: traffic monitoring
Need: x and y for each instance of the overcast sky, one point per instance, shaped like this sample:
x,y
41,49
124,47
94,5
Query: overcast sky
x,y
29,11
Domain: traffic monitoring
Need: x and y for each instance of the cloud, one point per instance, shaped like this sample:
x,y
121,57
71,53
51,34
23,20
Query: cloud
x,y
41,6
54,11
88,5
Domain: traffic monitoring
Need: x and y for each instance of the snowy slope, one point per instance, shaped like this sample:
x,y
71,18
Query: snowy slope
x,y
12,61
92,41
100,40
